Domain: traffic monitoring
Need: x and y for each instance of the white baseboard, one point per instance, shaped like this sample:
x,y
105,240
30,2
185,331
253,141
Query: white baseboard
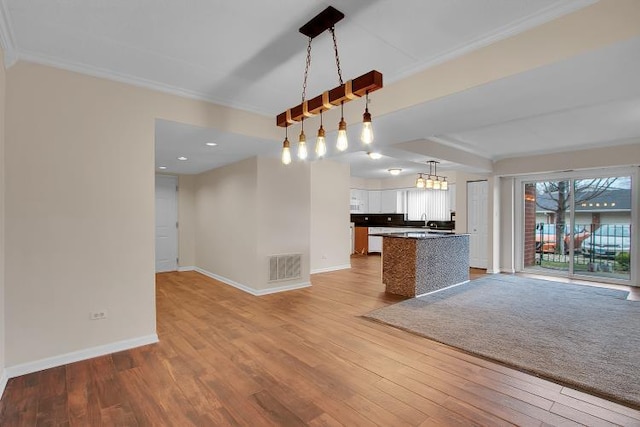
x,y
332,268
250,290
284,288
187,268
3,382
76,356
490,271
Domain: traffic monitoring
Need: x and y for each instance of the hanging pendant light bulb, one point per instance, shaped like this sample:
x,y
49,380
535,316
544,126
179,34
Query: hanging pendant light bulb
x,y
436,184
321,145
444,185
286,150
420,182
367,130
429,183
342,143
302,144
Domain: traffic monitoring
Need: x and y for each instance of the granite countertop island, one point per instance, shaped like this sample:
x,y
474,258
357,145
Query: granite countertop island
x,y
420,262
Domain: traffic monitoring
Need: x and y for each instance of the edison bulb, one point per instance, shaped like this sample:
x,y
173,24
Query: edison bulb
x,y
302,150
367,133
286,153
342,143
321,146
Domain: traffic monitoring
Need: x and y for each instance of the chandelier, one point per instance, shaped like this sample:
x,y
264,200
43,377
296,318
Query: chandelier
x,y
433,181
345,92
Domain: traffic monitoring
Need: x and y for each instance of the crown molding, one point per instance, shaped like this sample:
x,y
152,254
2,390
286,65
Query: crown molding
x,y
6,36
12,54
104,73
528,22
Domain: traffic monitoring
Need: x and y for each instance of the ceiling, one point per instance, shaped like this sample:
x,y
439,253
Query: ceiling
x,y
217,51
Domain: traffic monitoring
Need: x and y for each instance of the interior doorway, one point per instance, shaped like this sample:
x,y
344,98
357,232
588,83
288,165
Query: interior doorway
x,y
166,223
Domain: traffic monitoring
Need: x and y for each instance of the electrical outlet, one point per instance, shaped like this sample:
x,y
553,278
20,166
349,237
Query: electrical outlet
x,y
98,315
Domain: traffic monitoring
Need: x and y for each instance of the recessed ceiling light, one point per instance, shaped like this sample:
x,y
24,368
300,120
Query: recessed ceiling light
x,y
211,144
375,156
395,171
162,167
182,158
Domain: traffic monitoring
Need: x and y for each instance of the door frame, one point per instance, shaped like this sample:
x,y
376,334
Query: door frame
x,y
580,174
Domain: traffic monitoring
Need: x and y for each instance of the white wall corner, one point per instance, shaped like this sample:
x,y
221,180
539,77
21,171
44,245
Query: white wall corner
x,y
6,36
332,268
187,268
226,281
250,290
76,356
3,382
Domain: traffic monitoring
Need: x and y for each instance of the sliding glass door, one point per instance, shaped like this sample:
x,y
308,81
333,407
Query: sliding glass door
x,y
578,227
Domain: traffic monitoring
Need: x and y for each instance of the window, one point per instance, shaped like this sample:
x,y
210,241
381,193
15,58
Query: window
x,y
427,205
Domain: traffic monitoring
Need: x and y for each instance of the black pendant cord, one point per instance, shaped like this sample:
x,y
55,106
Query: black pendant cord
x,y
335,48
306,71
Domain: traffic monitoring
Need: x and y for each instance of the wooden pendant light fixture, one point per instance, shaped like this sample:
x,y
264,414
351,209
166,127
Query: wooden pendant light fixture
x,y
345,92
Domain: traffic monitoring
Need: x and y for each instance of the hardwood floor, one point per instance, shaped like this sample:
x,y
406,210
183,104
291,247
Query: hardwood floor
x,y
303,357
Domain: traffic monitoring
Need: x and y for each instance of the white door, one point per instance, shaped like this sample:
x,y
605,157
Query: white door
x,y
166,223
477,223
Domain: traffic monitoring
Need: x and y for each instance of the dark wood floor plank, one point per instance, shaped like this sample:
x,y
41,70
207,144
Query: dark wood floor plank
x,y
304,357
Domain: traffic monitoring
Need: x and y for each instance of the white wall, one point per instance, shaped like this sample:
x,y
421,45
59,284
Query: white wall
x,y
79,215
246,212
283,218
364,184
2,252
396,182
330,240
80,206
226,211
186,221
612,156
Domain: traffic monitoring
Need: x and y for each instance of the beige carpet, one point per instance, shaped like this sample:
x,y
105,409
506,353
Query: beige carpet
x,y
581,336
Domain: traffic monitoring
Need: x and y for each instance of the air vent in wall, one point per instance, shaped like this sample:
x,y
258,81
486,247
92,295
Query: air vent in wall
x,y
284,267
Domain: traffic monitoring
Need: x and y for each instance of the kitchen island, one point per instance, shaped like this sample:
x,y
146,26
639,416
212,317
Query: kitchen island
x,y
417,263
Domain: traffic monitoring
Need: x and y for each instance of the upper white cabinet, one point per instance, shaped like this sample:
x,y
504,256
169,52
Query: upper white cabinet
x,y
374,201
388,201
359,201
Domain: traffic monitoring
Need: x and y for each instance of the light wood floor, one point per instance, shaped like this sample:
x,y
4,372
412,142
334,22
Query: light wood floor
x,y
298,358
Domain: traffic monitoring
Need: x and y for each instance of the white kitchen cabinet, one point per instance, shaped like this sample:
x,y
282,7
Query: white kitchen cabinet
x,y
374,201
375,242
388,201
359,201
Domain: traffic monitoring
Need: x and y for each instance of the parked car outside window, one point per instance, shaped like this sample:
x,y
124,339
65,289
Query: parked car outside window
x,y
608,240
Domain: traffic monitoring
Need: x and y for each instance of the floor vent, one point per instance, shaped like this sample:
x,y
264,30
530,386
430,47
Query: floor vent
x,y
284,267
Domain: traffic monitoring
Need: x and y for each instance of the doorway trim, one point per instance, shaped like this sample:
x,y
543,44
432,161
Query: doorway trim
x,y
579,174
